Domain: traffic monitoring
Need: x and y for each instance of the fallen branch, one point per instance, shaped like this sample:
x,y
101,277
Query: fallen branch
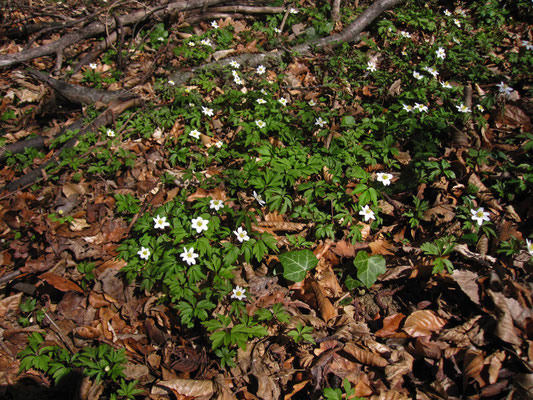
x,y
349,34
79,94
97,28
108,116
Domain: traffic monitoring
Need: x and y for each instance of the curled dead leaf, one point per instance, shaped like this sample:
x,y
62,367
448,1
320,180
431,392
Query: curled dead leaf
x,y
185,387
483,193
324,305
364,356
423,323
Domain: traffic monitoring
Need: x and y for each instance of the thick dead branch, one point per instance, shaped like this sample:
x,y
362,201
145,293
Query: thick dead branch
x,y
36,142
108,116
350,34
335,11
80,94
247,9
97,28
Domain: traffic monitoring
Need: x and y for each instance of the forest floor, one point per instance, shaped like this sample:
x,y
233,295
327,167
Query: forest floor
x,y
266,200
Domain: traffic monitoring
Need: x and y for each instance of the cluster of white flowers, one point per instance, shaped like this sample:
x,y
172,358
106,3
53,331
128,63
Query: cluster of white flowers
x,y
261,101
405,34
441,53
417,107
238,293
214,25
527,44
110,133
417,75
171,82
260,70
432,71
446,85
371,66
236,78
206,42
283,101
260,124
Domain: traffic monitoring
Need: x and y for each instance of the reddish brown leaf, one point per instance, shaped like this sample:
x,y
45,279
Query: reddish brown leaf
x,y
324,305
422,323
60,283
390,325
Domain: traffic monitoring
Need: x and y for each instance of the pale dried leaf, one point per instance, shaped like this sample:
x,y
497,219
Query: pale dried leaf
x,y
10,303
220,54
401,365
395,88
78,224
513,117
186,387
422,323
467,282
483,193
495,362
390,395
472,366
505,329
364,356
381,246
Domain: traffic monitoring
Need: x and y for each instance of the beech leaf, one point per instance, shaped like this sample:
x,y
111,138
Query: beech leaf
x,y
297,263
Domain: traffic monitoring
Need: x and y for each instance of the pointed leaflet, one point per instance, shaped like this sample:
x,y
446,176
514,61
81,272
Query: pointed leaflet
x,y
297,263
369,268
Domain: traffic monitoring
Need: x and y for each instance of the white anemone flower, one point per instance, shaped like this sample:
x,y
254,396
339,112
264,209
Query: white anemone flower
x,y
367,213
160,222
199,224
144,253
384,178
242,235
189,256
238,293
480,215
216,204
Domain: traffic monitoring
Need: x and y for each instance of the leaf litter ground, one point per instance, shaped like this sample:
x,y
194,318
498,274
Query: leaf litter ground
x,y
413,332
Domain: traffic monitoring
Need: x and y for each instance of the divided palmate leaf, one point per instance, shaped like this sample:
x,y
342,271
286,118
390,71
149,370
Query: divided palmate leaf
x,y
369,268
297,263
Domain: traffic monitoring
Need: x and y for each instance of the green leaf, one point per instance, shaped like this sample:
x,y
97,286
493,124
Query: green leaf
x,y
369,268
297,263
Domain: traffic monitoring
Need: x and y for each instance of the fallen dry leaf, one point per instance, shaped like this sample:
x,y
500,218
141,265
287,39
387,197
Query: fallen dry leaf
x,y
422,323
60,283
185,387
364,356
467,282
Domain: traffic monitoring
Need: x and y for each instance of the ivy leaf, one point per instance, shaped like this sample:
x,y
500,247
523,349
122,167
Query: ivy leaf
x,y
369,268
297,263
